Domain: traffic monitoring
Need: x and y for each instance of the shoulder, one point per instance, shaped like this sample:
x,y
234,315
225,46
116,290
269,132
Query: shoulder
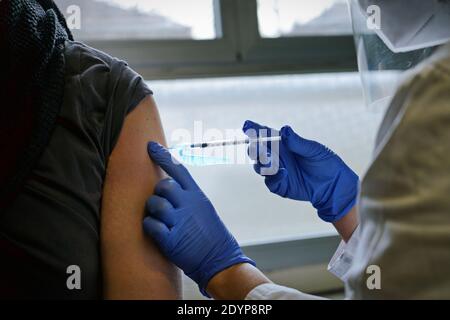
x,y
418,119
429,78
427,90
98,69
102,88
82,58
422,96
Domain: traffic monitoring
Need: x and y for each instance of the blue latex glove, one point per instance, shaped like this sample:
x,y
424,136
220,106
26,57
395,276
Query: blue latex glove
x,y
307,171
185,225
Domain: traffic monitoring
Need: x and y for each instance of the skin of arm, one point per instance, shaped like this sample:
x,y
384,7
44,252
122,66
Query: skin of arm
x,y
133,267
347,225
236,282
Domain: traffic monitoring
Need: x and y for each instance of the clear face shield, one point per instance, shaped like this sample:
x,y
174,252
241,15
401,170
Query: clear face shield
x,y
381,68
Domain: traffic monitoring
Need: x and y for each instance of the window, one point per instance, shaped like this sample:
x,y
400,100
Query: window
x,y
203,38
293,18
326,107
143,19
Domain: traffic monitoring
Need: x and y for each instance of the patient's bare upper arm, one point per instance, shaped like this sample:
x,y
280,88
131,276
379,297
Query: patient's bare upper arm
x,y
132,265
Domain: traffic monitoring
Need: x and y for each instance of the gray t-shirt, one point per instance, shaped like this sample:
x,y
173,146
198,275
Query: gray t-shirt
x,y
55,219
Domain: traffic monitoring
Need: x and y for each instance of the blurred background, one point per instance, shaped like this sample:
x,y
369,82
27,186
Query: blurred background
x,y
221,62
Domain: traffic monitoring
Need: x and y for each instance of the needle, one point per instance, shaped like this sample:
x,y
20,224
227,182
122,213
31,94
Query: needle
x,y
223,143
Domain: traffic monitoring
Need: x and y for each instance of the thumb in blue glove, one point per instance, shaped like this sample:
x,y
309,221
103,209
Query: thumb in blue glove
x,y
306,171
185,225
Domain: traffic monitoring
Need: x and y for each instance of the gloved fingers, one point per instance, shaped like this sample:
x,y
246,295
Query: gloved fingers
x,y
301,146
157,230
251,125
170,190
162,157
274,182
258,152
263,162
252,151
254,130
162,210
266,171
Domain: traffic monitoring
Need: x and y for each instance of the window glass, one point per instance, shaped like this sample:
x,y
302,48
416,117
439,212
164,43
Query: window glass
x,y
140,19
326,107
291,18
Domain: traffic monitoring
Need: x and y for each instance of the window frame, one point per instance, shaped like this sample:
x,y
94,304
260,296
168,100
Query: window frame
x,y
240,51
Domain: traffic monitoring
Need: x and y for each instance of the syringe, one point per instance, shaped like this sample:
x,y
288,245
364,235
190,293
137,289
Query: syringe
x,y
193,153
223,143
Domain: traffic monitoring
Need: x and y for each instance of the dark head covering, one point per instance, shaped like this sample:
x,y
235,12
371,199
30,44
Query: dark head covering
x,y
32,37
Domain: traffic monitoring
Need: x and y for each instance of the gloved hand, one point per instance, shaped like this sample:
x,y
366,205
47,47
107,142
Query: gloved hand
x,y
185,225
307,171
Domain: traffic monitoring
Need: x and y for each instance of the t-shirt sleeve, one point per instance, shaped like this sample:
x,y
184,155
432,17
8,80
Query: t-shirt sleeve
x,y
108,90
127,89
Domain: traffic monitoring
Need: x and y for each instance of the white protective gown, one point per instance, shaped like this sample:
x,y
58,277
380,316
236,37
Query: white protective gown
x,y
405,199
